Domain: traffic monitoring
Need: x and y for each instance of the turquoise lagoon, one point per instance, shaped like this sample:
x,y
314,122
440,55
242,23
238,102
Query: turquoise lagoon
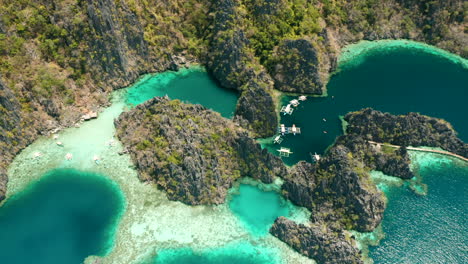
x,y
399,77
242,253
150,222
62,218
258,208
192,85
390,76
209,234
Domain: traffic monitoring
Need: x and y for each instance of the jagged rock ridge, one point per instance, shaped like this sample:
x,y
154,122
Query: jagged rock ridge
x,y
192,153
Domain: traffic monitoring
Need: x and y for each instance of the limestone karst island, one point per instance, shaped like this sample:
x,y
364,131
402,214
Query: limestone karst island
x,y
233,131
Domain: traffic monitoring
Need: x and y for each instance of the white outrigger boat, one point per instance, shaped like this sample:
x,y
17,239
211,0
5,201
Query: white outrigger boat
x,y
287,109
294,129
316,157
282,129
284,152
278,139
294,102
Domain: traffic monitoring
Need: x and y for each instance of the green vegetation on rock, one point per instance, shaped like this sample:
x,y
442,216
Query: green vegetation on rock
x,y
192,153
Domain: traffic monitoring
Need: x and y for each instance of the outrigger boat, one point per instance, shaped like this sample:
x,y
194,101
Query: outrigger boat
x,y
284,152
278,139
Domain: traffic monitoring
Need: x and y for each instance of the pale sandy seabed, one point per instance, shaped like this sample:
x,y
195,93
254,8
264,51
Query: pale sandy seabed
x,y
356,53
150,221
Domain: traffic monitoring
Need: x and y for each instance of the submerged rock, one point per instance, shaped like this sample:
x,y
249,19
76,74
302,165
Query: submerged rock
x,y
317,241
192,153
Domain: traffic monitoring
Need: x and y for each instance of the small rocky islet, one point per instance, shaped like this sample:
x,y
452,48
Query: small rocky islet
x,y
78,52
196,155
192,153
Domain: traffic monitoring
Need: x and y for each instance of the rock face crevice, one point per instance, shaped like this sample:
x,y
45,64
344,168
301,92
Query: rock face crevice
x,y
117,45
317,241
406,130
14,134
338,188
300,66
192,153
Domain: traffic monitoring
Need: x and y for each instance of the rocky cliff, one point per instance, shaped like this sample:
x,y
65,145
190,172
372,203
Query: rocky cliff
x,y
300,66
317,241
412,129
9,130
395,162
339,192
338,188
192,153
234,65
116,45
60,59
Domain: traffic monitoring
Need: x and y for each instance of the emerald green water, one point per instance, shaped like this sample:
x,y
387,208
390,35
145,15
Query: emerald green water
x,y
191,85
258,209
235,254
41,222
62,218
430,228
400,78
396,79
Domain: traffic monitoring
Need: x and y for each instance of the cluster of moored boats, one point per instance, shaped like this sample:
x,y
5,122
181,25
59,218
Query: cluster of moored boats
x,y
283,130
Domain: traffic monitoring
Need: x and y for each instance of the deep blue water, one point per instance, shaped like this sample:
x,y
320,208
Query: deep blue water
x,y
419,229
431,228
62,218
69,215
394,80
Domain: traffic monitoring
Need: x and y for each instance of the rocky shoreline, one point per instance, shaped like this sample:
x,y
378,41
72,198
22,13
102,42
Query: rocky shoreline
x,y
192,153
318,241
85,49
102,45
195,155
338,188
